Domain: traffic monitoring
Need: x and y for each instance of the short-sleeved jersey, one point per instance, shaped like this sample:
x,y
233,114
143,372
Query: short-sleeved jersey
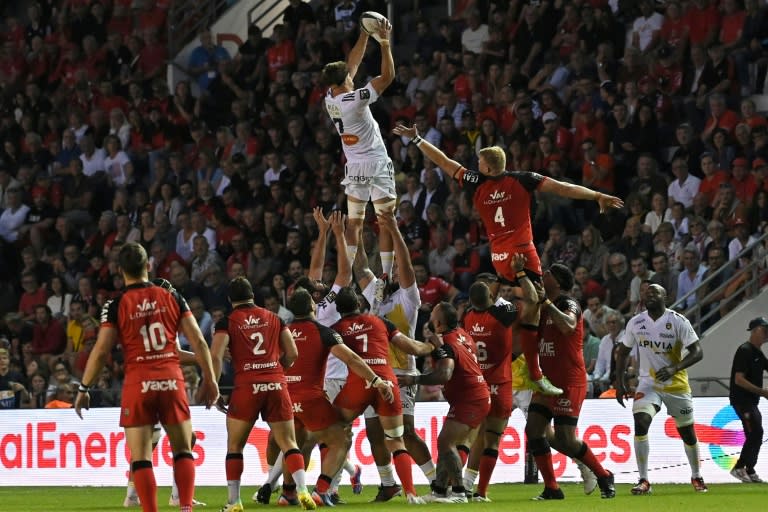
x,y
750,361
661,343
254,343
561,355
327,315
402,309
467,382
360,135
314,343
491,329
368,336
504,203
147,318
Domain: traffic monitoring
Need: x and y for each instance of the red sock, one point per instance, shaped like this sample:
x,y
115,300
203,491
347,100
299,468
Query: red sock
x,y
544,462
294,462
463,454
589,459
233,465
323,484
529,339
184,473
403,464
487,464
146,486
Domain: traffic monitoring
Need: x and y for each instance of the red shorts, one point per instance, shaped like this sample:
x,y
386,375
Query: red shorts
x,y
501,400
501,256
150,401
567,404
270,399
314,413
471,413
355,397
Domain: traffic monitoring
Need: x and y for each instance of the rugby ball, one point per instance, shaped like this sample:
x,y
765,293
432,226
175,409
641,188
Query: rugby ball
x,y
370,22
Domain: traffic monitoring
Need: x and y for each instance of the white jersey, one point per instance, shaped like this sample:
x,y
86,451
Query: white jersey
x,y
661,343
402,309
327,315
360,134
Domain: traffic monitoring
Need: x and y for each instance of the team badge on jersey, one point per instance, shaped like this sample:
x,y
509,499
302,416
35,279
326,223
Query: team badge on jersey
x,y
365,94
668,326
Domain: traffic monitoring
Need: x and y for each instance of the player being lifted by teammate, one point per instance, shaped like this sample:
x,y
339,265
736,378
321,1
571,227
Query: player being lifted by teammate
x,y
261,346
503,200
145,320
369,173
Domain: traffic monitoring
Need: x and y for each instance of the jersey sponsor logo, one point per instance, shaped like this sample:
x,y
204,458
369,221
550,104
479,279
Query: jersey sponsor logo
x,y
159,385
329,299
497,196
477,328
267,386
563,402
349,139
667,336
494,389
365,94
105,311
375,361
547,348
297,334
146,305
293,378
686,410
333,110
259,366
471,177
253,322
297,407
355,328
499,256
655,345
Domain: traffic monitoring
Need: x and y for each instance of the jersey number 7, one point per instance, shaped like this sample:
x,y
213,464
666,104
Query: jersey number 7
x,y
339,124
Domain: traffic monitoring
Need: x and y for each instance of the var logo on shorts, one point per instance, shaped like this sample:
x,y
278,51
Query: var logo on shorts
x,y
267,386
159,385
499,256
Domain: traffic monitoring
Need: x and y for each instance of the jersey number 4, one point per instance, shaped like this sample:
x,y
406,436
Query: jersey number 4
x,y
498,218
258,340
339,124
154,337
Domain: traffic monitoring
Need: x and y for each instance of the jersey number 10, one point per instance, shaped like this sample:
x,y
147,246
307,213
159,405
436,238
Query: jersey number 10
x,y
154,337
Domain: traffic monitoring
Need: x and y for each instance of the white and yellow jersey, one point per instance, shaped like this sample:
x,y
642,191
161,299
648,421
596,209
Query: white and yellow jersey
x,y
661,343
360,134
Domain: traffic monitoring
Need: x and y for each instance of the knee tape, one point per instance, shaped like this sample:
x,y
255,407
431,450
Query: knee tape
x,y
384,207
355,209
394,433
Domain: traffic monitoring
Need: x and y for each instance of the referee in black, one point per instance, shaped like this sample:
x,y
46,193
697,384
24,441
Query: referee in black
x,y
749,363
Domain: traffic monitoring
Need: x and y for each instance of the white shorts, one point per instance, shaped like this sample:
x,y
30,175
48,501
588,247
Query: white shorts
x,y
521,399
407,399
333,388
679,405
373,181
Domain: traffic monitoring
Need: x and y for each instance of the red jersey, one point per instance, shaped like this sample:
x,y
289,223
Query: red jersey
x,y
504,203
467,383
147,318
367,336
254,342
434,290
561,356
314,342
491,329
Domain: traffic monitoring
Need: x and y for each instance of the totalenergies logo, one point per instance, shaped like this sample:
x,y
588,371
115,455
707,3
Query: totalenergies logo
x,y
716,436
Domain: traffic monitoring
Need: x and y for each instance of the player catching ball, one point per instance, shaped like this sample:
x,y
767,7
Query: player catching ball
x,y
503,200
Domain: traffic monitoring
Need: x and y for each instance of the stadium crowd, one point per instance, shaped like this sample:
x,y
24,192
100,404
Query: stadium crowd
x,y
216,176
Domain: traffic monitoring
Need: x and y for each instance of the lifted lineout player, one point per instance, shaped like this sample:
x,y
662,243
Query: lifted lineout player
x,y
503,201
369,173
145,318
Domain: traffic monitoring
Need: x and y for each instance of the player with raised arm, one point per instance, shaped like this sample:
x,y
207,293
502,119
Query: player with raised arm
x,y
261,346
369,172
661,335
503,200
465,390
401,307
369,337
561,328
145,320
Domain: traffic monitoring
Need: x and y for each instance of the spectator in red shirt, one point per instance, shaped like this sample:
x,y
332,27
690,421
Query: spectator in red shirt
x,y
732,24
703,22
33,295
749,114
48,335
152,58
712,179
720,117
744,184
674,31
432,290
282,53
668,73
162,260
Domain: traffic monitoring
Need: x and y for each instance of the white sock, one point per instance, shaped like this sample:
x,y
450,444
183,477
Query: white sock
x,y
470,475
387,474
692,452
428,468
276,471
233,491
642,448
300,477
349,467
351,253
387,262
174,490
334,487
130,490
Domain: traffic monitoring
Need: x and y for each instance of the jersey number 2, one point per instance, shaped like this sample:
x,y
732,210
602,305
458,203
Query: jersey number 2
x,y
258,338
154,337
499,217
339,124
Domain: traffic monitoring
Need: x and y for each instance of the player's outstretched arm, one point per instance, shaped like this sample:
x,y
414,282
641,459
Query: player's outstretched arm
x,y
410,346
360,267
96,361
344,268
355,55
387,76
317,260
360,368
406,275
449,166
442,373
208,392
572,191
